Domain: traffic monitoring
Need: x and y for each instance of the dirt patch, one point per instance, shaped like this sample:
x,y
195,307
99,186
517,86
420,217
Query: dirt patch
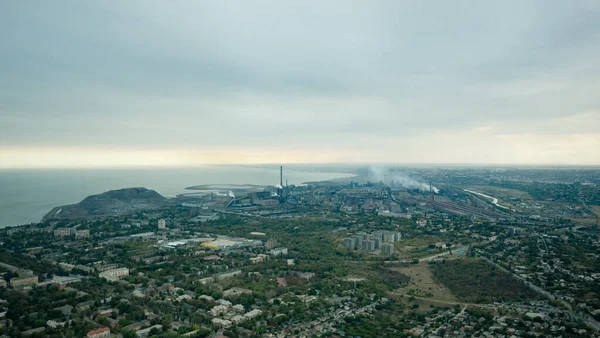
x,y
422,283
393,275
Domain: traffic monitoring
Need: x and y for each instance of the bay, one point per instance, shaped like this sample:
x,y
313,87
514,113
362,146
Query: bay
x,y
27,195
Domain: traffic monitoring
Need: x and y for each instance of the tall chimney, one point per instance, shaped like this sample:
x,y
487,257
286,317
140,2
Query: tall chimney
x,y
281,176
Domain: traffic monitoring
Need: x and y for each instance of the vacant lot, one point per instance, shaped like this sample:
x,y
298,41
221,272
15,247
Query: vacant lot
x,y
393,275
422,283
475,280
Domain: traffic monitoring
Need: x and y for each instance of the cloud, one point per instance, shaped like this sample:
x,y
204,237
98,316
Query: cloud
x,y
364,81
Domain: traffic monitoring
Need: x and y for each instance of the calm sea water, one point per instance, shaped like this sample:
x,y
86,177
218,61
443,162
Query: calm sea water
x,y
27,195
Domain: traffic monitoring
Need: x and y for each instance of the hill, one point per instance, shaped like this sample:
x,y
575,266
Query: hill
x,y
113,202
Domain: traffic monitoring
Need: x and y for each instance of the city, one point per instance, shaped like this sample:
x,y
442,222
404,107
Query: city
x,y
336,258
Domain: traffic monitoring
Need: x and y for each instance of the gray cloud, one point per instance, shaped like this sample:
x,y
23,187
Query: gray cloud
x,y
300,74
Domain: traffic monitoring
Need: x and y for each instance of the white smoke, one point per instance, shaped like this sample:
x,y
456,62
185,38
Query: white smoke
x,y
231,194
381,174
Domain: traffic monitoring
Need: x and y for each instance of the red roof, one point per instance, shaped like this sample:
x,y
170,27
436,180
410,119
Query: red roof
x,y
100,330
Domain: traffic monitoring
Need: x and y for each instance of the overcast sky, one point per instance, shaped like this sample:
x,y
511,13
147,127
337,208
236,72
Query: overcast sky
x,y
103,83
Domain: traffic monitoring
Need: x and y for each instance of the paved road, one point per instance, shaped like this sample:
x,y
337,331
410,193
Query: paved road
x,y
445,253
588,319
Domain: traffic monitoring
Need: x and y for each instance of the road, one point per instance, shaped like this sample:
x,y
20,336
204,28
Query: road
x,y
445,253
587,318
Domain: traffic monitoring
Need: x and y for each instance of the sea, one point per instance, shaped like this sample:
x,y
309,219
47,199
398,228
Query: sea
x,y
26,195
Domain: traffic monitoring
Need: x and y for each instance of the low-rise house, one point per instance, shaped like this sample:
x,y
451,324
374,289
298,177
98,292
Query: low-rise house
x,y
54,324
219,309
65,309
102,332
18,282
253,314
84,306
224,323
146,332
228,274
279,251
114,274
135,326
33,331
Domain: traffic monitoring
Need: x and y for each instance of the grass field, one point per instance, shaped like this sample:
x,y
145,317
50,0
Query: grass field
x,y
422,283
474,280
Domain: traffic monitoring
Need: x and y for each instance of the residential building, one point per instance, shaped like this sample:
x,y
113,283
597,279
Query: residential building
x,y
80,234
369,245
387,248
23,281
397,236
279,251
253,314
162,224
219,309
221,322
228,274
102,332
146,332
271,243
388,237
349,243
114,274
62,232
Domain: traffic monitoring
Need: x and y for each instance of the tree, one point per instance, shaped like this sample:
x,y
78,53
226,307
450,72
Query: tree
x,y
129,334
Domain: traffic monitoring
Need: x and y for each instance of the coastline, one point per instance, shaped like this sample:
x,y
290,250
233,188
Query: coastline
x,y
31,194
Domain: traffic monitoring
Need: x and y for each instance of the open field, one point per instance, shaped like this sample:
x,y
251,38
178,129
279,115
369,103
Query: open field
x,y
417,242
422,283
474,280
588,222
596,209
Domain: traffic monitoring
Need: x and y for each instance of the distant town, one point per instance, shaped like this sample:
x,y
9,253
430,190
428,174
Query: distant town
x,y
392,252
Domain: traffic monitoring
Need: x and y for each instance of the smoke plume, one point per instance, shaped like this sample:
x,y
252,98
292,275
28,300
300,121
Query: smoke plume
x,y
395,178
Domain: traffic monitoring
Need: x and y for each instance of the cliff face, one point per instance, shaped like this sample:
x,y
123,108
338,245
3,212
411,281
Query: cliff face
x,y
114,202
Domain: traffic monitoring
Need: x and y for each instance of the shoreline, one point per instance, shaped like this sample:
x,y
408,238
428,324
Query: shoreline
x,y
28,201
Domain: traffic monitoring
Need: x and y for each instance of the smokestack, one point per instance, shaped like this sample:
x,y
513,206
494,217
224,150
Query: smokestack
x,y
281,176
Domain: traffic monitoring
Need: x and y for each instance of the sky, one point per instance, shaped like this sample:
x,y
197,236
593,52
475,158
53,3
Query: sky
x,y
176,83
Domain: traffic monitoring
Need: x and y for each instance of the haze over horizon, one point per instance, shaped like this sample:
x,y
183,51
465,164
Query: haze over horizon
x,y
184,83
